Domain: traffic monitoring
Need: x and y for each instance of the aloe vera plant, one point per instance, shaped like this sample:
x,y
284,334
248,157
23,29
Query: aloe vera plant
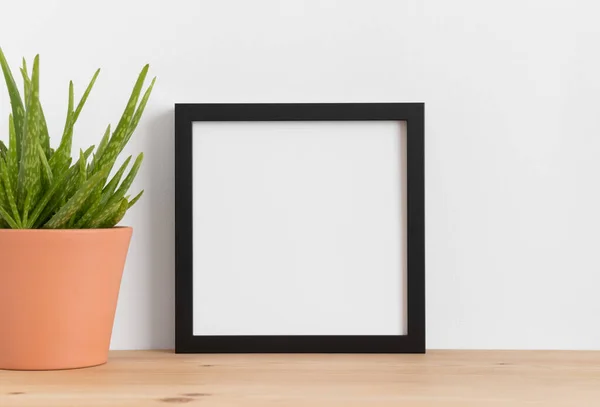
x,y
46,187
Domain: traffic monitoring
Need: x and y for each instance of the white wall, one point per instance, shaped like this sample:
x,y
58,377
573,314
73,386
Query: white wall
x,y
512,95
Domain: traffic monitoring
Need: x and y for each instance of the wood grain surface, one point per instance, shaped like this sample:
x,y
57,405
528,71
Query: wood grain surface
x,y
437,379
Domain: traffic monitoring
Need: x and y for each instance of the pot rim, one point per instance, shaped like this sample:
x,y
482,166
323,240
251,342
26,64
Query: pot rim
x,y
95,230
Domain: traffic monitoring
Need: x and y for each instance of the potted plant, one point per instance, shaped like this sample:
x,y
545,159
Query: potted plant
x,y
61,253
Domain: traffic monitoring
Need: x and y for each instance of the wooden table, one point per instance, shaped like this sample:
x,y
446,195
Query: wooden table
x,y
438,379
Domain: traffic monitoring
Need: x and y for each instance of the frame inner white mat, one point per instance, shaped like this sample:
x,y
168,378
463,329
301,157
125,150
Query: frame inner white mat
x,y
299,228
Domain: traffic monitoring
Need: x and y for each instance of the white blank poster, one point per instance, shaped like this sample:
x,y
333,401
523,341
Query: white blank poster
x,y
299,228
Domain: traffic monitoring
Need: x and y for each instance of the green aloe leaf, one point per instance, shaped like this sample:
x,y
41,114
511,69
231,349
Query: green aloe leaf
x,y
68,181
26,86
18,110
81,178
76,201
3,150
124,187
3,205
99,202
12,161
115,144
44,136
63,152
93,205
93,199
29,168
82,169
114,182
10,196
101,147
73,181
45,165
104,141
41,205
138,113
3,198
85,96
8,219
133,98
137,198
26,208
64,149
118,215
107,214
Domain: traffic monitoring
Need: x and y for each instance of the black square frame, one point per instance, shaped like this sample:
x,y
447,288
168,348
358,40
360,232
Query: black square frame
x,y
411,113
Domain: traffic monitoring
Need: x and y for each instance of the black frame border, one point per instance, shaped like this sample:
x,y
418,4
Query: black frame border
x,y
413,114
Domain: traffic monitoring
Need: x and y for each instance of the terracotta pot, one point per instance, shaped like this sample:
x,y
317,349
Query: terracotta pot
x,y
58,296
